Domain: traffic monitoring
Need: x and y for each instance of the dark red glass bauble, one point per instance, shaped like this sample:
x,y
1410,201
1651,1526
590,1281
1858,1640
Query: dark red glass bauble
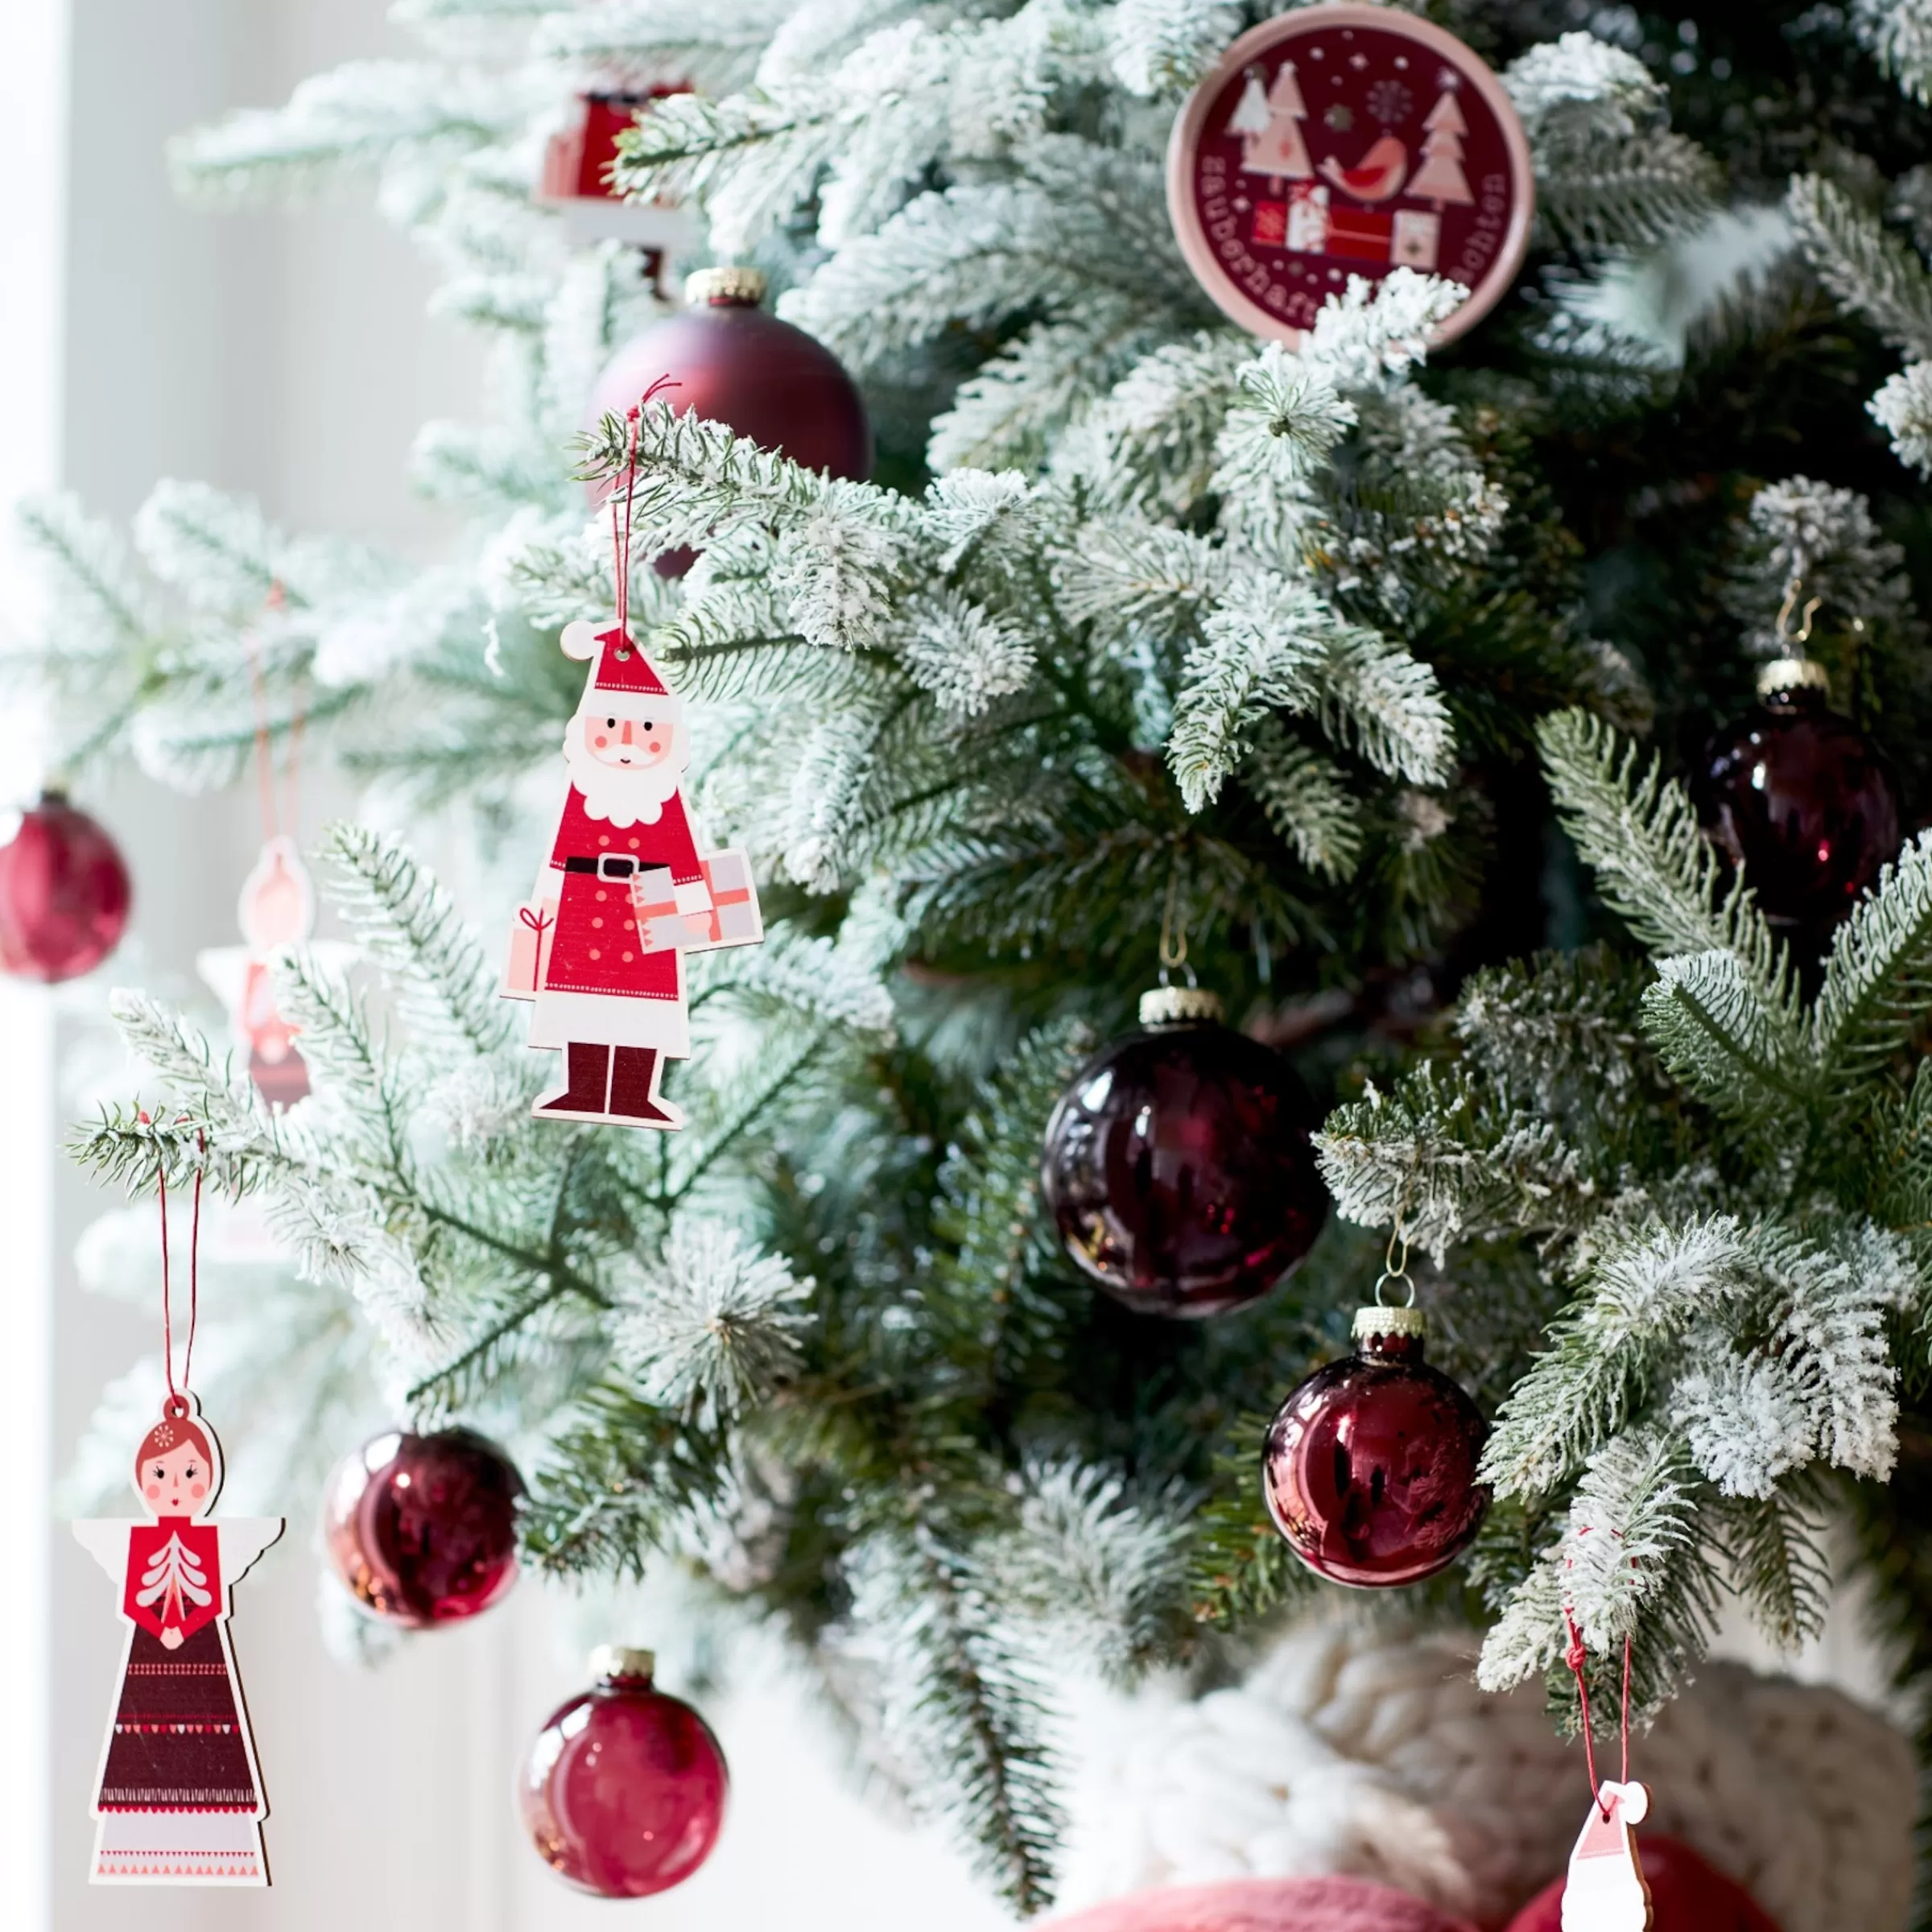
x,y
423,1528
735,364
1179,1169
1807,804
623,1792
1369,1468
63,893
1687,1895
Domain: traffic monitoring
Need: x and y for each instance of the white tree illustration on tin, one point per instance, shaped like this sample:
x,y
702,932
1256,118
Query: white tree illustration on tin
x,y
1269,126
1440,178
174,1580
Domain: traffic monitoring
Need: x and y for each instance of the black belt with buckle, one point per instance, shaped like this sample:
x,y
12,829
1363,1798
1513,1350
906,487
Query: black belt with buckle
x,y
606,865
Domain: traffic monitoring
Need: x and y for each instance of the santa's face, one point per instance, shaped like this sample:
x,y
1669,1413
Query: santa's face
x,y
627,744
176,1482
1604,1895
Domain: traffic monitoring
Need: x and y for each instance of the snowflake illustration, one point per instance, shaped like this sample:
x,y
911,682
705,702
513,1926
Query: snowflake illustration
x,y
1390,102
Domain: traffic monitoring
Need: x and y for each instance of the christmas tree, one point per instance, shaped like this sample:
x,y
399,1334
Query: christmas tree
x,y
1441,178
1377,677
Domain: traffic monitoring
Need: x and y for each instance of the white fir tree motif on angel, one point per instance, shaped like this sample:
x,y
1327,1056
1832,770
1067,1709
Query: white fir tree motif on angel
x,y
178,1799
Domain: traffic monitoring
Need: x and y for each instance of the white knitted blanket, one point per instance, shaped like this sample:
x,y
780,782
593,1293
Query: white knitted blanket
x,y
1363,1751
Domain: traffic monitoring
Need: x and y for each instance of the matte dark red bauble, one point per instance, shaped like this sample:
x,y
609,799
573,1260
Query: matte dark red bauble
x,y
734,364
1369,1468
63,893
1806,803
1177,1165
623,1792
423,1528
1687,1895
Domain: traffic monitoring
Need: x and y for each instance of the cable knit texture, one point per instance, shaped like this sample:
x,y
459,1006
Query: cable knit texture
x,y
1265,1905
1372,1752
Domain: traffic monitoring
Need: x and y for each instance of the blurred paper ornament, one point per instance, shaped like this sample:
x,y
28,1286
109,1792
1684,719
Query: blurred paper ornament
x,y
422,1529
1687,1893
577,182
1177,1164
1344,141
1803,800
1369,1468
623,1792
276,909
65,893
727,359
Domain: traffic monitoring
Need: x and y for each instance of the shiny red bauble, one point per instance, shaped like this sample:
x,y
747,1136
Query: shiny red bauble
x,y
63,893
423,1528
1369,1468
735,364
1806,803
623,1792
1177,1165
1687,1895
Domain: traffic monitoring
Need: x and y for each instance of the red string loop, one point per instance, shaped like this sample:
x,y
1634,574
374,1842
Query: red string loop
x,y
1577,1656
620,518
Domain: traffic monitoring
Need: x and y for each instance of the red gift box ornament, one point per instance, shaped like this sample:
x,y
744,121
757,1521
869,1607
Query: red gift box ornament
x,y
576,181
1341,141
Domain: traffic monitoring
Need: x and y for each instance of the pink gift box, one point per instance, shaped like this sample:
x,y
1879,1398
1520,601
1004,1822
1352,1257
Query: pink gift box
x,y
735,917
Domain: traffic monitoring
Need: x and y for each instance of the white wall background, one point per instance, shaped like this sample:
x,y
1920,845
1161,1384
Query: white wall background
x,y
286,355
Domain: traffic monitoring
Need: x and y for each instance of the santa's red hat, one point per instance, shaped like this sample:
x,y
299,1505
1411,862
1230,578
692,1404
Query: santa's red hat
x,y
622,670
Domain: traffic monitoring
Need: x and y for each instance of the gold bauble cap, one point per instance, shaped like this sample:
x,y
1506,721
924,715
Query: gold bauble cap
x,y
726,286
1371,1323
1180,1007
621,1661
1792,674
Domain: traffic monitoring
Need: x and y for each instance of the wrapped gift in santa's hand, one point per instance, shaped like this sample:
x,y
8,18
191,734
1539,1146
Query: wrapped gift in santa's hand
x,y
730,916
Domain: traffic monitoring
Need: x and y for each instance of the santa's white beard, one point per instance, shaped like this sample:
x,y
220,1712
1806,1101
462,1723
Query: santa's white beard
x,y
625,797
1604,1895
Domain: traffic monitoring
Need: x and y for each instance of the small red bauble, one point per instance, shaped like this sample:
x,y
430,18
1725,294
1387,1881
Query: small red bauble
x,y
1369,1468
423,1528
623,1792
63,893
1804,801
734,364
1177,1165
1687,1895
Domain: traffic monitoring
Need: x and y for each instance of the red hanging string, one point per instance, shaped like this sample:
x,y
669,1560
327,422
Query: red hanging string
x,y
177,1396
1576,1656
265,765
620,515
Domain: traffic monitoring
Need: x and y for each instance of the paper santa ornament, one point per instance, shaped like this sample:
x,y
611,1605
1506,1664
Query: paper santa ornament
x,y
1605,1891
625,894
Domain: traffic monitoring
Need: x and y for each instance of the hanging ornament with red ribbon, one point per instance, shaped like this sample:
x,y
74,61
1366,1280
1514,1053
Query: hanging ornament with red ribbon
x,y
178,1798
64,893
626,891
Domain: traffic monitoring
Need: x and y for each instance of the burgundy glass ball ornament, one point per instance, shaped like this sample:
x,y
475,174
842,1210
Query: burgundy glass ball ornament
x,y
65,893
1177,1165
735,364
1803,800
423,1528
1369,1468
623,1792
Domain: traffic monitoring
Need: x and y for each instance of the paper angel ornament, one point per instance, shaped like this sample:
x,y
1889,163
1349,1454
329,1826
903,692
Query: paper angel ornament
x,y
179,1798
1606,1891
624,895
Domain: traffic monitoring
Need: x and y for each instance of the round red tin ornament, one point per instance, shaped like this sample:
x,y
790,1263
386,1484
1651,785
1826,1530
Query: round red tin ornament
x,y
1341,141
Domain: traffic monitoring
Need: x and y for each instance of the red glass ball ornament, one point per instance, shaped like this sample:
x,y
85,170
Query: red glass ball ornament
x,y
423,1528
1805,801
1177,1164
63,893
735,364
623,1792
1369,1468
1687,1894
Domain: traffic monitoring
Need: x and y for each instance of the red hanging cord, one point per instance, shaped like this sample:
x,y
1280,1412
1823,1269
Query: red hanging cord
x,y
177,1396
619,516
1576,1656
264,763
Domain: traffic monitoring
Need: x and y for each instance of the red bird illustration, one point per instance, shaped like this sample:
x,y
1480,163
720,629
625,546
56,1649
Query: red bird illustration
x,y
1377,175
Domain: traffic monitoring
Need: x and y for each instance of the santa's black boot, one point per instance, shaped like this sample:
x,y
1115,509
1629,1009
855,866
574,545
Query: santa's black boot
x,y
634,1090
586,1085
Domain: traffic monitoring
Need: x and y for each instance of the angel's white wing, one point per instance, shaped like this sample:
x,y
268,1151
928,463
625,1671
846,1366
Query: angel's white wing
x,y
243,1539
104,1538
